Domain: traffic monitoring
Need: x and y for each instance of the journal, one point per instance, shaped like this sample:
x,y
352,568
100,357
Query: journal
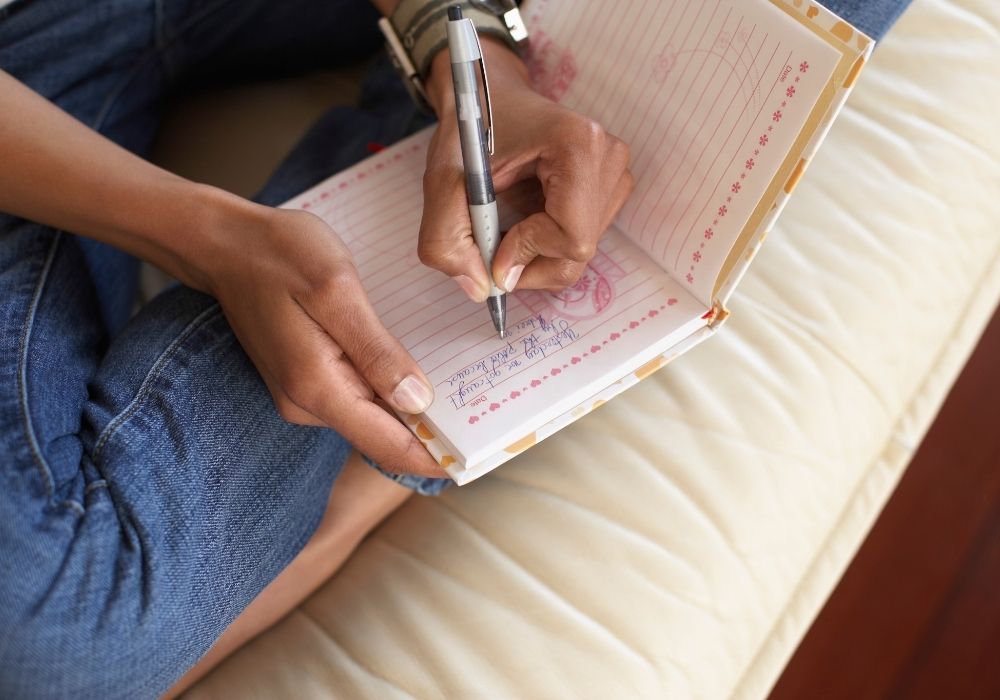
x,y
723,103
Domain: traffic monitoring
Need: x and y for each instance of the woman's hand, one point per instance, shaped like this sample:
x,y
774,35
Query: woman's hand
x,y
284,279
582,171
293,297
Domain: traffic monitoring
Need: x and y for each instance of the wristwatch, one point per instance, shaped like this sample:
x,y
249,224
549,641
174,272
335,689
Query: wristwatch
x,y
417,31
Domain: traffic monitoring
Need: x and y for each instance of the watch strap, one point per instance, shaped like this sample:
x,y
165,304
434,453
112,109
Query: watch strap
x,y
421,28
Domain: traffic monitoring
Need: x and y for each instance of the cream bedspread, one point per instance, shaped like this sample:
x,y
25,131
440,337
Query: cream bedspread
x,y
679,541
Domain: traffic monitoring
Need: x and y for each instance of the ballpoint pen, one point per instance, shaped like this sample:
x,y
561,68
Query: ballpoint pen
x,y
477,146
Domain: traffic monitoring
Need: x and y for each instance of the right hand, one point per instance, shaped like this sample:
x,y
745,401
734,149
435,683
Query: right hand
x,y
293,297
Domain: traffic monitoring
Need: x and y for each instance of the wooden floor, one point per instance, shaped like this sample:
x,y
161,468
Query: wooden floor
x,y
917,615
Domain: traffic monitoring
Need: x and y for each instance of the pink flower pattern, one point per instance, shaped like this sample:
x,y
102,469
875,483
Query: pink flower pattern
x,y
737,187
554,372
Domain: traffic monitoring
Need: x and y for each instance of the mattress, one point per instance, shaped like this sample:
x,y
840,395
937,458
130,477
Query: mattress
x,y
679,541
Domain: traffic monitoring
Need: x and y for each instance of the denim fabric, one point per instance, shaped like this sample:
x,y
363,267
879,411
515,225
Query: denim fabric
x,y
148,489
873,17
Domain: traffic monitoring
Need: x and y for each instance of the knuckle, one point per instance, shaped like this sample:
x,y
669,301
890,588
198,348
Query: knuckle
x,y
334,279
580,250
528,233
590,133
375,360
620,152
430,253
342,275
567,274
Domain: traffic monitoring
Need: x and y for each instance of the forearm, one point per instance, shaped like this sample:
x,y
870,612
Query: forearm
x,y
58,172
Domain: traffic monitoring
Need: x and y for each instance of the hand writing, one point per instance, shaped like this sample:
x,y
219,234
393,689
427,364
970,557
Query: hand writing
x,y
582,171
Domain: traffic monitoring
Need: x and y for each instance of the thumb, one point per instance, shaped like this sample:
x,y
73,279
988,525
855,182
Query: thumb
x,y
446,242
535,236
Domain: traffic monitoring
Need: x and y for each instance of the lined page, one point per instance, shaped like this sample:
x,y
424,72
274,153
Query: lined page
x,y
709,94
560,349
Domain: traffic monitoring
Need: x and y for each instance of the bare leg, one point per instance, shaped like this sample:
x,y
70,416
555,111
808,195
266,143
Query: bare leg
x,y
360,500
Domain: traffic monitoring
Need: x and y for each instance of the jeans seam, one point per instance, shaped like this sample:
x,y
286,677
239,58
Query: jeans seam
x,y
22,371
154,373
74,506
94,485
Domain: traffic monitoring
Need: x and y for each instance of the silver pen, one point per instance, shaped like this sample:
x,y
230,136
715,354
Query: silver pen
x,y
477,146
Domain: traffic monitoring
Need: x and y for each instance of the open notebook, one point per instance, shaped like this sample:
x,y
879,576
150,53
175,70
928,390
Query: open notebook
x,y
722,102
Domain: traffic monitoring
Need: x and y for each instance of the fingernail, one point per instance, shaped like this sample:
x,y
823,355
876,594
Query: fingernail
x,y
412,395
470,288
511,278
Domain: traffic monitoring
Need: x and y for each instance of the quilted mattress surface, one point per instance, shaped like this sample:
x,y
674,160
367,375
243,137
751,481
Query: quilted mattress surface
x,y
678,541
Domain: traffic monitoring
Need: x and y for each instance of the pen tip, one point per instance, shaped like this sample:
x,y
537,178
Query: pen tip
x,y
498,312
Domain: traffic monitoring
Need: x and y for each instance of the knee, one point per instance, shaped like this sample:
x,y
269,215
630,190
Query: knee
x,y
41,657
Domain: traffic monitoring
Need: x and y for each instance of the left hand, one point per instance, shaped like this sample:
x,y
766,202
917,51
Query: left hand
x,y
581,168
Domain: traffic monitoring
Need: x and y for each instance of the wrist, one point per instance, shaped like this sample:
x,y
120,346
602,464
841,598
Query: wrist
x,y
195,231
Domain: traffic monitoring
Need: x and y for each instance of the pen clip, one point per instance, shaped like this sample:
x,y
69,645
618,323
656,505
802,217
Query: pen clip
x,y
486,87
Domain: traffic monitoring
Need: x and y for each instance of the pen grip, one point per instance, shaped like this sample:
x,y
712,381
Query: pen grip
x,y
486,232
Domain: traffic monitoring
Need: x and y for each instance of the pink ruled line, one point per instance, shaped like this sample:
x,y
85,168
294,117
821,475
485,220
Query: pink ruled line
x,y
449,341
663,130
590,34
446,284
598,328
677,133
441,315
725,170
666,187
601,323
645,93
586,106
512,374
516,305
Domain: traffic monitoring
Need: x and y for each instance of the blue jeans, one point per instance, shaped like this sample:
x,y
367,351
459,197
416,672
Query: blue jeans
x,y
149,489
